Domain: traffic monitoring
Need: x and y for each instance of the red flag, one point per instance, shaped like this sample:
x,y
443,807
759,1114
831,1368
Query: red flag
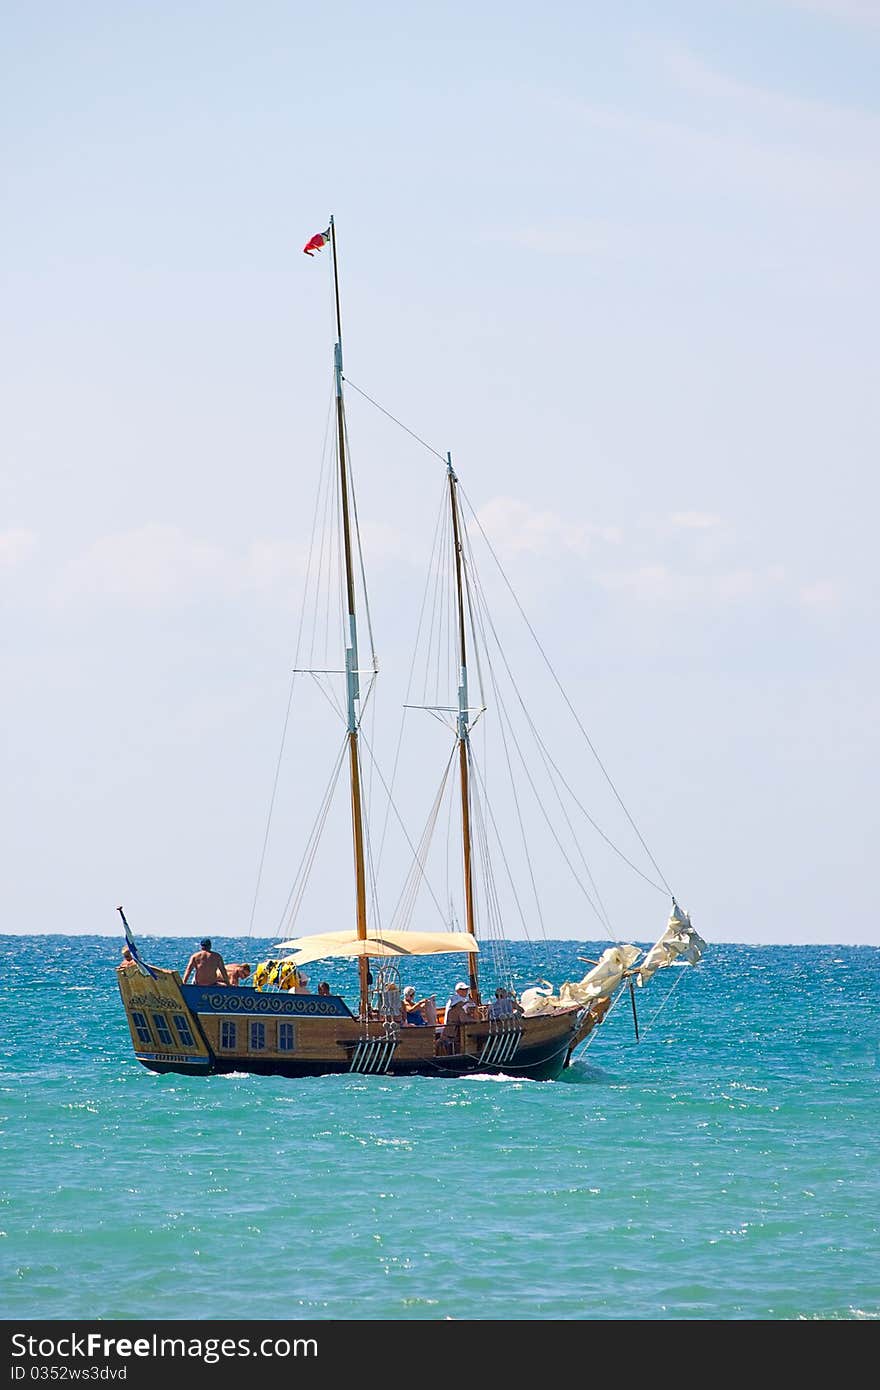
x,y
316,242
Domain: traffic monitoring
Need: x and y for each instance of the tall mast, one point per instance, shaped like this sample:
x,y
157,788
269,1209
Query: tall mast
x,y
463,737
351,652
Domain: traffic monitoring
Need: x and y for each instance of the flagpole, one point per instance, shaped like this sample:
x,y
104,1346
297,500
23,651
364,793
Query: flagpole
x,y
351,655
336,288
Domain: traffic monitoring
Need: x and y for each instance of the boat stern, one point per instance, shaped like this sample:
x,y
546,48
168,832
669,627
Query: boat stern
x,y
165,1034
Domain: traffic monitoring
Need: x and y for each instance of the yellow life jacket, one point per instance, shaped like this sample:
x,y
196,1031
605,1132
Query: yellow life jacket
x,y
288,975
264,973
282,973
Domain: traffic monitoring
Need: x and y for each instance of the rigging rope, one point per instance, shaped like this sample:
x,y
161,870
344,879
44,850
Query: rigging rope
x,y
501,729
272,802
442,634
400,820
408,688
295,896
483,612
547,757
357,532
348,381
680,972
291,687
562,692
600,911
368,847
478,777
327,692
497,939
410,888
545,658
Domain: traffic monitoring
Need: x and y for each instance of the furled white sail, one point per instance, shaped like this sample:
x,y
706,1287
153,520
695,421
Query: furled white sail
x,y
598,983
679,942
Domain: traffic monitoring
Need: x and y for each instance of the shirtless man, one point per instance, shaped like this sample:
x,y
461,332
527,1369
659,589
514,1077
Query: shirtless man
x,y
206,965
237,973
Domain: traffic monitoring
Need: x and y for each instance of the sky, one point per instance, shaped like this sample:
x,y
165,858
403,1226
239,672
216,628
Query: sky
x,y
620,260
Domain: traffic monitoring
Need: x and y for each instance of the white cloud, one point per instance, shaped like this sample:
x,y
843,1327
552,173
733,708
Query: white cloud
x,y
268,564
820,596
383,543
660,584
637,567
153,565
695,521
15,546
149,565
514,528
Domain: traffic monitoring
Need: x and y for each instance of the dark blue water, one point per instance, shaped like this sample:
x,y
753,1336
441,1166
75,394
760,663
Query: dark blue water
x,y
725,1167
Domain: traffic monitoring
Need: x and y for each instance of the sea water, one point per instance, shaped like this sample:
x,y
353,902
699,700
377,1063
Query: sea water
x,y
723,1166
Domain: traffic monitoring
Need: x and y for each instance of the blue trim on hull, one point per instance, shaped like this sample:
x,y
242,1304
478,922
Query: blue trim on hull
x,y
255,1003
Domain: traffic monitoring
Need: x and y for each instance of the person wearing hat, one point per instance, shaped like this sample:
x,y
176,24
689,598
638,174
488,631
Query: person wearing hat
x,y
458,1008
458,996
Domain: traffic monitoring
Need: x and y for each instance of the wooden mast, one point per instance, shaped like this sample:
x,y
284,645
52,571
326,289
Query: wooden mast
x,y
351,653
463,738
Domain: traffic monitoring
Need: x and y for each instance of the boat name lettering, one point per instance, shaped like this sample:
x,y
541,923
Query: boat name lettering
x,y
171,1057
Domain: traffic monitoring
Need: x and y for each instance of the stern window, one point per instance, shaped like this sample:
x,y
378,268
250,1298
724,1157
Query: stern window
x,y
141,1027
227,1035
258,1037
163,1032
285,1037
183,1031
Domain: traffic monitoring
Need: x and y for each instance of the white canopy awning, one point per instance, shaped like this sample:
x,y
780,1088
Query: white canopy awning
x,y
325,945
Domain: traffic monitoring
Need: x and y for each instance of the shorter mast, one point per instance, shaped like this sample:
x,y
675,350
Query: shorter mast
x,y
351,655
463,736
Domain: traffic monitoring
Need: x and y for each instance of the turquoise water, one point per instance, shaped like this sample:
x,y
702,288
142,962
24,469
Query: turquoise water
x,y
725,1167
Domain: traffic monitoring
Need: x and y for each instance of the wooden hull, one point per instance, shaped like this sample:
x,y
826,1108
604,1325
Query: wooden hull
x,y
203,1030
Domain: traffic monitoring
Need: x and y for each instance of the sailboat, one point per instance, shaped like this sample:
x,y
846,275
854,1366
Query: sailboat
x,y
274,1024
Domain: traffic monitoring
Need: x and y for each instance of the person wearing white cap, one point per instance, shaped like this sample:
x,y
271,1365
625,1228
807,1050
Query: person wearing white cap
x,y
458,1007
458,996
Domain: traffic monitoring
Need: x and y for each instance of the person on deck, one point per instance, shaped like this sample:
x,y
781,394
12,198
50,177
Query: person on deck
x,y
504,1005
414,1010
458,1011
324,988
458,996
453,1017
127,959
237,973
206,965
